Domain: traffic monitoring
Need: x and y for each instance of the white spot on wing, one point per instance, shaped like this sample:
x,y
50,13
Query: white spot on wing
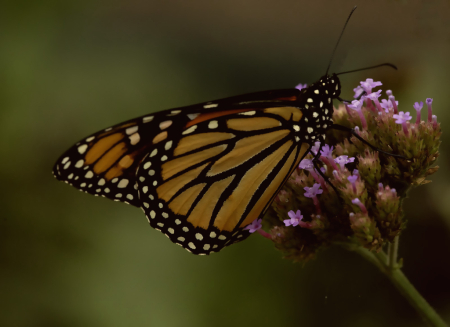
x,y
123,183
168,145
147,119
248,113
212,105
190,130
165,124
192,116
213,124
131,130
82,148
134,139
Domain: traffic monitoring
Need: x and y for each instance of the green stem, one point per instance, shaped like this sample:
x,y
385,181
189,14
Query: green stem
x,y
396,276
392,254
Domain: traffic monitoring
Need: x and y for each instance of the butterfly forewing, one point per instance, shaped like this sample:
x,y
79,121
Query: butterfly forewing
x,y
105,163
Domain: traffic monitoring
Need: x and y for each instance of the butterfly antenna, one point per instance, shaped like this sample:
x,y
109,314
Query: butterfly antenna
x,y
335,47
365,68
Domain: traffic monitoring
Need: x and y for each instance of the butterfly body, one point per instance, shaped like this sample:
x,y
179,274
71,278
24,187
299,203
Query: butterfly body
x,y
202,173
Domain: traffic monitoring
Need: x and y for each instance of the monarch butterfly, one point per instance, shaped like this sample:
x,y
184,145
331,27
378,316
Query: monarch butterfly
x,y
202,173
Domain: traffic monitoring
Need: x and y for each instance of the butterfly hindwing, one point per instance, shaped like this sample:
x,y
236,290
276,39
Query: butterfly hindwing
x,y
202,188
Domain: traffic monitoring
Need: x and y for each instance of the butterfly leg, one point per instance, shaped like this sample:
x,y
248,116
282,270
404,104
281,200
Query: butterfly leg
x,y
352,131
350,101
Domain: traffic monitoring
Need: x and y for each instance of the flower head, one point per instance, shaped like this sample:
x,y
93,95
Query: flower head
x,y
306,164
254,226
301,86
295,218
327,151
402,117
374,95
343,160
360,205
315,148
356,104
430,114
358,91
387,105
363,211
418,106
352,180
394,103
369,84
312,191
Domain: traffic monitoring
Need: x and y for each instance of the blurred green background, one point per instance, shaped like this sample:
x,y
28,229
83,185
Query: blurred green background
x,y
70,68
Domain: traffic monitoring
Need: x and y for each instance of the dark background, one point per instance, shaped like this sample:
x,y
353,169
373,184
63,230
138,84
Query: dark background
x,y
70,68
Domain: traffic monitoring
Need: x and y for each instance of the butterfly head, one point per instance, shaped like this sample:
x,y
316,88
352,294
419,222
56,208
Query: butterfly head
x,y
330,84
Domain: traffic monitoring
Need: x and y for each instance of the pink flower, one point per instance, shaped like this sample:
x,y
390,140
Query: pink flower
x,y
369,84
254,226
295,218
301,86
